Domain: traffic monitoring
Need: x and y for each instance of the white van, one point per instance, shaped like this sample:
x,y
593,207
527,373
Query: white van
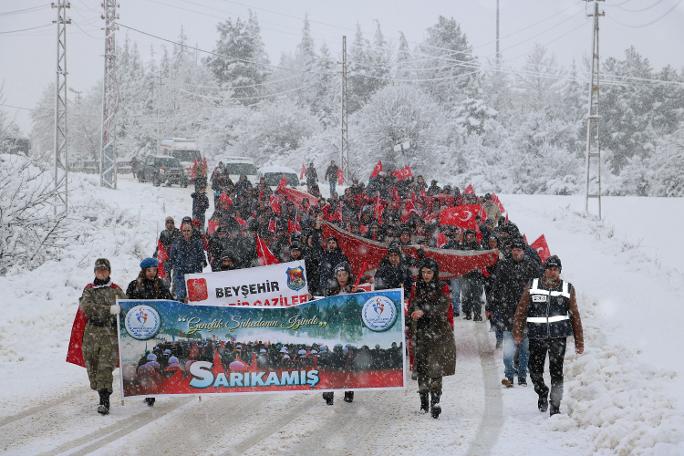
x,y
185,150
273,173
236,166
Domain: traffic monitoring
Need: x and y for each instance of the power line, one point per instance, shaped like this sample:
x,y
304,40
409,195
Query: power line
x,y
669,10
205,14
24,10
84,32
15,107
640,10
204,50
25,29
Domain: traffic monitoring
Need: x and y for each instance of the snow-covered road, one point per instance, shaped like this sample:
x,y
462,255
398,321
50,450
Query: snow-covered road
x,y
376,423
621,396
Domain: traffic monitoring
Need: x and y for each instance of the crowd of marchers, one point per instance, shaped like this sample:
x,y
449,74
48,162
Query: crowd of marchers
x,y
531,309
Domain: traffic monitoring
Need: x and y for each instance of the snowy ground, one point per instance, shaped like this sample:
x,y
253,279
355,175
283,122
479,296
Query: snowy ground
x,y
622,395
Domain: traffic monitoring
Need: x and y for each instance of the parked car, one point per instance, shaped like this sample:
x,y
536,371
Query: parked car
x,y
163,169
273,174
237,166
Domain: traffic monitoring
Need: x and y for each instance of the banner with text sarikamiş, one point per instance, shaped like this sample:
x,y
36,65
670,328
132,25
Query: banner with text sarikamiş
x,y
344,342
276,285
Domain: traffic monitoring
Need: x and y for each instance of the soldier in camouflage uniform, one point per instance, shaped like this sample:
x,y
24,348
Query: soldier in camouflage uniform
x,y
98,302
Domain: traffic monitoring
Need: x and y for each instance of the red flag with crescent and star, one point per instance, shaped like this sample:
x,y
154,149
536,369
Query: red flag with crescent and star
x,y
541,247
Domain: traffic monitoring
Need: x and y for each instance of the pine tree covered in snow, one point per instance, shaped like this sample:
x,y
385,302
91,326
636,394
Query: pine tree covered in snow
x,y
466,121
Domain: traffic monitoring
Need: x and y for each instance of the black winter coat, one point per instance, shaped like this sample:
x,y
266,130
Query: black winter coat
x,y
509,281
200,204
187,256
327,267
148,289
388,276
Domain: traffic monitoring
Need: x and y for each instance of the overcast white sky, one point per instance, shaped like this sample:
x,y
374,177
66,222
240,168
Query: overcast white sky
x,y
27,59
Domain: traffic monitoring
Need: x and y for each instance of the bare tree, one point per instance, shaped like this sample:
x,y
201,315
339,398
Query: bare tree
x,y
30,232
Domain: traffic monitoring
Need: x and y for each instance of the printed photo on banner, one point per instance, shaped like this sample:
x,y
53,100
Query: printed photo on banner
x,y
277,285
342,342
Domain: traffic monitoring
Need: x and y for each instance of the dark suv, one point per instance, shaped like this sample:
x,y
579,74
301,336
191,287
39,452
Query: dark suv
x,y
162,169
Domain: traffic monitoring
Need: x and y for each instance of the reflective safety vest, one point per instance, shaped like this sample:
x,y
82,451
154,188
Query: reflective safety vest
x,y
548,311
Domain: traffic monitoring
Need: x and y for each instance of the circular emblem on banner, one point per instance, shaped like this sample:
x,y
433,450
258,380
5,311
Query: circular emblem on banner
x,y
142,322
379,313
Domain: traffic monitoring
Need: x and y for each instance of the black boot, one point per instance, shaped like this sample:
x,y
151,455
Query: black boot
x,y
424,403
329,398
554,409
434,405
149,401
348,396
543,403
103,408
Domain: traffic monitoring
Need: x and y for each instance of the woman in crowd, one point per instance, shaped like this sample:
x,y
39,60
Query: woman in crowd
x,y
435,346
148,286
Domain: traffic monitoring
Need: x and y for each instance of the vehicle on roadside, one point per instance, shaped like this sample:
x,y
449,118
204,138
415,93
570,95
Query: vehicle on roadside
x,y
163,169
272,174
237,166
185,150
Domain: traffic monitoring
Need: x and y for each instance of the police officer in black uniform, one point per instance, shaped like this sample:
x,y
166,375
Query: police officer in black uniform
x,y
548,309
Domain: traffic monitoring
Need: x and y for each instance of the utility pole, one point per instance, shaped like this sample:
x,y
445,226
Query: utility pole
x,y
109,98
60,143
344,148
498,53
593,148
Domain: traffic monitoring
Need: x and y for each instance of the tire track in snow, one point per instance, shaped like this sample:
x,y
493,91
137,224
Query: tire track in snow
x,y
104,435
490,426
194,428
264,432
41,408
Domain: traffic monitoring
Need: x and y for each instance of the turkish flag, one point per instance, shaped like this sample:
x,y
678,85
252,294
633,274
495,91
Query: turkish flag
x,y
452,263
197,289
264,254
441,240
302,172
340,176
275,204
211,227
376,169
541,247
409,207
75,350
297,196
282,183
461,216
403,173
225,201
293,226
469,190
332,216
379,209
162,256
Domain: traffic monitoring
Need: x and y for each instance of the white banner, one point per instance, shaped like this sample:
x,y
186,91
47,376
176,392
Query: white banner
x,y
276,285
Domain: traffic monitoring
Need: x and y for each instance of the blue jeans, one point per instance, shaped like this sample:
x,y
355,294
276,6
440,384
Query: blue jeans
x,y
179,286
509,353
333,186
456,295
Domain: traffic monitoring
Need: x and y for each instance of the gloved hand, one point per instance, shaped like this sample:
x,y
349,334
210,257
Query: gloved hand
x,y
115,309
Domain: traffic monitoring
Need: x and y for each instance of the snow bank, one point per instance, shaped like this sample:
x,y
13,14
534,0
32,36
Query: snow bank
x,y
39,305
623,393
